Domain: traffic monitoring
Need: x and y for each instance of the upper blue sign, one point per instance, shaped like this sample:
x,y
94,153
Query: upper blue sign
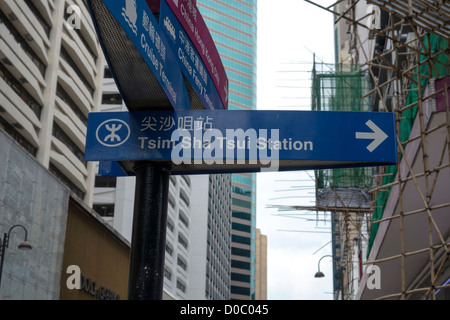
x,y
190,61
218,141
136,20
197,31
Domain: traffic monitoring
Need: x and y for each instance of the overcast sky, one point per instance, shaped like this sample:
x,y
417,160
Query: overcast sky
x,y
289,32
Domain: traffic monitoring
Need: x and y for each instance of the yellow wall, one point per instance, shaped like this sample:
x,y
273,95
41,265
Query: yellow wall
x,y
100,254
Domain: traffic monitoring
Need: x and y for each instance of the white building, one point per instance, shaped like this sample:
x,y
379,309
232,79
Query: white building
x,y
210,241
50,79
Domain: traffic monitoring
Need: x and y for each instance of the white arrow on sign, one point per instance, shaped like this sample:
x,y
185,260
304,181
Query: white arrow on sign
x,y
377,135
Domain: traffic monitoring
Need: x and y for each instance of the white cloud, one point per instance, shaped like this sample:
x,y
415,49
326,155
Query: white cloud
x,y
291,276
293,255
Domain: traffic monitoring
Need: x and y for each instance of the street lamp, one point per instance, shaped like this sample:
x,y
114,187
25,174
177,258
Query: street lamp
x,y
320,274
24,245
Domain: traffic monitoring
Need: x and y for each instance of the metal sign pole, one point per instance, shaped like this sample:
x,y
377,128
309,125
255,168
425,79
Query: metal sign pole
x,y
146,275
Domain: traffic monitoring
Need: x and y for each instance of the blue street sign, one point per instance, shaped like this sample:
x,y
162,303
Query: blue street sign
x,y
219,141
139,36
112,169
191,64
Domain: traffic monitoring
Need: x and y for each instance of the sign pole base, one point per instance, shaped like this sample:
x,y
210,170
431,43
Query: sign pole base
x,y
148,245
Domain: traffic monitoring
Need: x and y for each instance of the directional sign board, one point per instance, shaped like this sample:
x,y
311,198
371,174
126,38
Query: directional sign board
x,y
157,62
141,60
190,60
189,17
226,141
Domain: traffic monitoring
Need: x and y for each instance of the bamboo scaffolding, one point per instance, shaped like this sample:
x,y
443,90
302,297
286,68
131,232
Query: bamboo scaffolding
x,y
432,23
413,212
422,18
412,291
406,254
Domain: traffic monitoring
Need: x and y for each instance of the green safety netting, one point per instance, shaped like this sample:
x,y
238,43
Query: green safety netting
x,y
341,88
439,69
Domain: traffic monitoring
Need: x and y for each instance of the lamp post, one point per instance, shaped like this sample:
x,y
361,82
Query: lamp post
x,y
24,245
338,281
320,274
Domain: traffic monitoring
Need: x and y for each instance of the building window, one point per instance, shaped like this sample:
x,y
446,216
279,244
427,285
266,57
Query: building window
x,y
240,252
22,42
64,138
39,17
187,179
240,277
240,264
183,219
64,96
107,74
240,290
182,263
167,274
67,58
242,191
11,130
19,88
105,210
242,215
184,197
170,225
171,201
240,239
241,227
53,169
105,182
169,250
182,241
80,35
112,98
242,203
181,286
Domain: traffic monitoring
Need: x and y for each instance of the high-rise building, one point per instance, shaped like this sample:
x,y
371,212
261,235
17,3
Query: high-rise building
x,y
261,266
233,27
51,69
210,251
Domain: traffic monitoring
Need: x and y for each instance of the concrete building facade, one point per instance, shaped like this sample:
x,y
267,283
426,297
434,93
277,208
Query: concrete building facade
x,y
210,239
51,70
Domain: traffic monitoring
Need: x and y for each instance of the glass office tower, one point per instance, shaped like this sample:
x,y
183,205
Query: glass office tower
x,y
233,28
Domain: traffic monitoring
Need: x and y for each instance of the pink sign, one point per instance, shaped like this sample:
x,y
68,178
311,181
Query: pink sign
x,y
439,84
192,21
153,5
